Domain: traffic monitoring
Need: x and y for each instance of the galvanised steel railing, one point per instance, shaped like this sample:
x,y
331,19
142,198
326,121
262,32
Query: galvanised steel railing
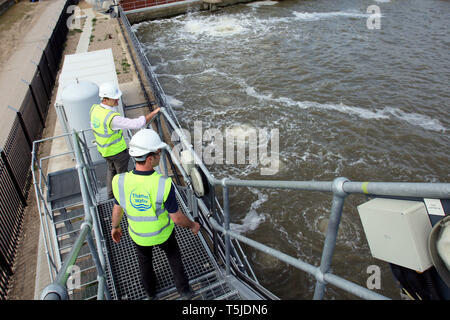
x,y
57,289
340,188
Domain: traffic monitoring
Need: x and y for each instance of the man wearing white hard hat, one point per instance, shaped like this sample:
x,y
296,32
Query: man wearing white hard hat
x,y
107,125
149,202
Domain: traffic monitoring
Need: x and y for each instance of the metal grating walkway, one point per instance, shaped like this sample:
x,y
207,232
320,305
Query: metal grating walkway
x,y
122,269
203,276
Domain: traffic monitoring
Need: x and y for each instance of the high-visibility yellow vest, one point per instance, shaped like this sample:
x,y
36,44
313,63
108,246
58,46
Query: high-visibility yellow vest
x,y
142,199
109,142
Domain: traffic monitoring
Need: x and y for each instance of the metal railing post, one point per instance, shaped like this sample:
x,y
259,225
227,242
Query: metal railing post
x,y
331,236
226,222
96,257
58,288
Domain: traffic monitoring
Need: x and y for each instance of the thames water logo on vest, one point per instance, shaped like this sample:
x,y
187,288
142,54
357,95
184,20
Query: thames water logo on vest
x,y
96,123
140,200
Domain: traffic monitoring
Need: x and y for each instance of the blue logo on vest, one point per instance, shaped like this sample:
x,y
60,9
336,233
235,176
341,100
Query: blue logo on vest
x,y
140,200
96,122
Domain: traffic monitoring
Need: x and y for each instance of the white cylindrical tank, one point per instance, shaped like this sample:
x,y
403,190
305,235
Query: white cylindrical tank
x,y
77,99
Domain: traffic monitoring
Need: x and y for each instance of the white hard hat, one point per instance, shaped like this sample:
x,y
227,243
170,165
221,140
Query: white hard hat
x,y
439,248
109,90
144,142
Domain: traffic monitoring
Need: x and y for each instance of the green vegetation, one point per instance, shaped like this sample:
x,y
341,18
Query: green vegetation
x,y
125,65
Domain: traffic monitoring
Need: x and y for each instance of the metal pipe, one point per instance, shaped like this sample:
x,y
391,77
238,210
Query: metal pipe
x,y
89,217
101,290
163,154
325,186
353,288
401,189
63,275
226,206
261,247
37,193
299,264
331,236
85,231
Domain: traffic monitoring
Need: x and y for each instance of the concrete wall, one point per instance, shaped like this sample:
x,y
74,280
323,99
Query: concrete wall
x,y
174,9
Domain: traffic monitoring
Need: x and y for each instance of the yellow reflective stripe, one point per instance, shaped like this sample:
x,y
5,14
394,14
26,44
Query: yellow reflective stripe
x,y
105,127
158,205
364,187
109,144
160,195
150,234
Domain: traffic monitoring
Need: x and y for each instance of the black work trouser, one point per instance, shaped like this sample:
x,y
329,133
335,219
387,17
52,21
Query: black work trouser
x,y
116,164
148,276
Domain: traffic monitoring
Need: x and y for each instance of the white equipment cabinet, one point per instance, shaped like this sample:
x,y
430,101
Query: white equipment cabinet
x,y
397,231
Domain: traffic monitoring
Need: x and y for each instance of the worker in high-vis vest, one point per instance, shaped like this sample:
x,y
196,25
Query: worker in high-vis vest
x,y
149,202
107,125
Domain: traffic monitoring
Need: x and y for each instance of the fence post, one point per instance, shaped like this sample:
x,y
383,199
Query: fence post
x,y
5,265
13,178
330,240
41,116
41,75
50,74
24,127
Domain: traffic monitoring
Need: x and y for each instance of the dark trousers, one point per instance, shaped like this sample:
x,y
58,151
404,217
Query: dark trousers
x,y
170,247
116,164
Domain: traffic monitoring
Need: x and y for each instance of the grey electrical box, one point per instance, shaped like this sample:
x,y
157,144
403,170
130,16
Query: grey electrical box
x,y
397,231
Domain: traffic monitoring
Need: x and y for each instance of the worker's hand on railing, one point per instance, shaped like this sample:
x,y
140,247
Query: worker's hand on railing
x,y
150,117
116,234
195,228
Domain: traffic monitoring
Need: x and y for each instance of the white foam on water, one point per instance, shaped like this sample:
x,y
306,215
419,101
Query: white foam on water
x,y
137,26
416,119
178,77
412,118
240,130
252,219
174,102
314,16
258,4
214,26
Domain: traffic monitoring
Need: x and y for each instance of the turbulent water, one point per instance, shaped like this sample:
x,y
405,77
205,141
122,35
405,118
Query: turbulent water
x,y
352,92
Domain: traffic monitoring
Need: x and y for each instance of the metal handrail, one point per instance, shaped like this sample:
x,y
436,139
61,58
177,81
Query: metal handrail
x,y
340,188
57,290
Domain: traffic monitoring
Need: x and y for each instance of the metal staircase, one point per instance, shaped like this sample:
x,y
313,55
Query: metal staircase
x,y
64,202
66,206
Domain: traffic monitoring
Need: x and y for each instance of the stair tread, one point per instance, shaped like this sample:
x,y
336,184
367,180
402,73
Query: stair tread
x,y
63,215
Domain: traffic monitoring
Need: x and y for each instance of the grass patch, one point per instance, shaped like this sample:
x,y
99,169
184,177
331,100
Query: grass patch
x,y
125,65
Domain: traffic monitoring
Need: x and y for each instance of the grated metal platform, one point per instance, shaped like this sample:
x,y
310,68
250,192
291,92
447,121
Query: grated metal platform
x,y
122,269
203,276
